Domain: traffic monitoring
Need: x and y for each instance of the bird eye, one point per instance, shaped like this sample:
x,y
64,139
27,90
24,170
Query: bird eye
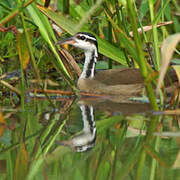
x,y
82,38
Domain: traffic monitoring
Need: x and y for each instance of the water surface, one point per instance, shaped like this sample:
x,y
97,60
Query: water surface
x,y
88,139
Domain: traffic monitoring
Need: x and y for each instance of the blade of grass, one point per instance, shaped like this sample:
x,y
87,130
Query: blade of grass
x,y
88,14
140,165
9,165
28,42
30,48
124,38
14,13
47,35
35,166
154,162
176,5
106,123
160,13
129,163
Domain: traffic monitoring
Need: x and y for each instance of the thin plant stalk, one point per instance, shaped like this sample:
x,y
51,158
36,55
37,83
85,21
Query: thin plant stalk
x,y
157,146
148,140
88,14
155,36
162,20
140,165
66,6
142,62
30,49
22,87
160,12
9,166
23,119
120,141
124,21
141,26
117,12
110,40
176,5
151,95
14,13
154,162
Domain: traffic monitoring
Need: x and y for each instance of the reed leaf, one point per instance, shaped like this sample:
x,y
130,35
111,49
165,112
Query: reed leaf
x,y
47,33
167,50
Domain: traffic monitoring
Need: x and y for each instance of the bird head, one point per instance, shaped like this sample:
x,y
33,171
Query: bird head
x,y
83,40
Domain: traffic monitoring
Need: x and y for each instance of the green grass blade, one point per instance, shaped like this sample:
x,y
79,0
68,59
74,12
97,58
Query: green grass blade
x,y
44,26
161,11
128,43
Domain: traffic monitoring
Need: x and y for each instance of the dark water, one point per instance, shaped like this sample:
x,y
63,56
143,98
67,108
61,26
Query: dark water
x,y
88,139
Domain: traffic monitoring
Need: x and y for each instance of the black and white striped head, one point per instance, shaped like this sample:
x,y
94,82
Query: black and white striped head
x,y
83,40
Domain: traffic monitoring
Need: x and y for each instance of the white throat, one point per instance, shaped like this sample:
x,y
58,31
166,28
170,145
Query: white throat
x,y
89,64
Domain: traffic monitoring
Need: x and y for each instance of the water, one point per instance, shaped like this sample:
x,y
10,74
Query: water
x,y
89,138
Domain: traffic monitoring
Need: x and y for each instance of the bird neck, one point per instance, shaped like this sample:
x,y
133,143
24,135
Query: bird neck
x,y
89,65
86,139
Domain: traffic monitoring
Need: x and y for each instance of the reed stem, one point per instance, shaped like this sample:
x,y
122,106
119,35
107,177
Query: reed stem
x,y
155,36
142,62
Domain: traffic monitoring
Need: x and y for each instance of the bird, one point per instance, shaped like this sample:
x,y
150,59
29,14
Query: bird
x,y
125,82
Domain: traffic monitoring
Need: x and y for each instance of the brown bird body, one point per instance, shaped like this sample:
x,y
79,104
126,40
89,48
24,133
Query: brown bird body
x,y
106,87
119,76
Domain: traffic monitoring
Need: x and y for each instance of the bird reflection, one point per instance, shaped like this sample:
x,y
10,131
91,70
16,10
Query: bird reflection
x,y
85,140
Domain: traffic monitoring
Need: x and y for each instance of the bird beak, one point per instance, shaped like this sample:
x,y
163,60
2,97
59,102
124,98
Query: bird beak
x,y
70,41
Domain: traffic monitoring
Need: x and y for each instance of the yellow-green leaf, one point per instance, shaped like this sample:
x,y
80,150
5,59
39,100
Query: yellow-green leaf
x,y
22,48
21,165
2,123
